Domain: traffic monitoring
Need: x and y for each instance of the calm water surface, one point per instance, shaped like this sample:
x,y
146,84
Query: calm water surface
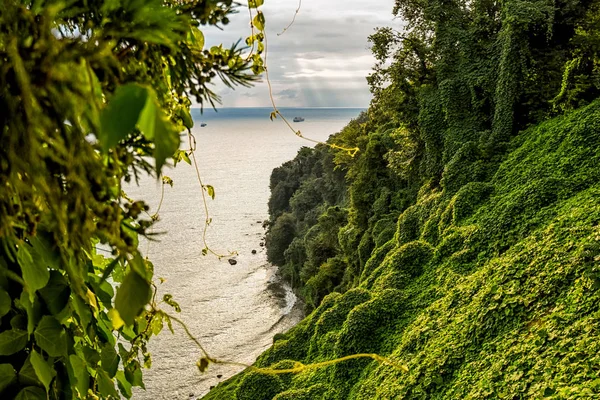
x,y
229,308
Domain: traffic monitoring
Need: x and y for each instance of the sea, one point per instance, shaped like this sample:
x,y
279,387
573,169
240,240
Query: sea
x,y
233,310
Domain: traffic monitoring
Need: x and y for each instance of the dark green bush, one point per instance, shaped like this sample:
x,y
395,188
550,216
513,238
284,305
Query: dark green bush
x,y
258,386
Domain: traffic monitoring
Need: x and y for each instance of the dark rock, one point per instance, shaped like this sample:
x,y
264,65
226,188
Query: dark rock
x,y
253,251
211,388
232,261
262,244
219,376
191,395
259,222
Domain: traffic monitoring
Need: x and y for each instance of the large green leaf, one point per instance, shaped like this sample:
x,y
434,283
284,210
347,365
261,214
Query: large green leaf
x,y
121,115
8,376
31,393
5,302
109,360
133,373
51,337
133,294
124,385
35,272
43,370
156,128
78,374
56,292
42,249
12,341
106,386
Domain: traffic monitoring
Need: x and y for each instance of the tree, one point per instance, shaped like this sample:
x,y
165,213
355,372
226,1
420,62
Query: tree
x,y
91,92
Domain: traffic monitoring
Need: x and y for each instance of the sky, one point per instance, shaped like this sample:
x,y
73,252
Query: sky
x,y
322,60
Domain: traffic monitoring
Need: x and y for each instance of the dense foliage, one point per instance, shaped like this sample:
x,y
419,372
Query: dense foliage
x,y
464,239
92,93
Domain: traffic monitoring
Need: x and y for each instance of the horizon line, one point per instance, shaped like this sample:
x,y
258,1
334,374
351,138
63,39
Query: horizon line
x,y
269,107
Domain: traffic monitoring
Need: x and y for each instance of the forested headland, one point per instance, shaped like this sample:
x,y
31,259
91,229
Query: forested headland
x,y
463,239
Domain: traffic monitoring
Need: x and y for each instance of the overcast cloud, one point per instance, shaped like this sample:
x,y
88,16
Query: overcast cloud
x,y
321,61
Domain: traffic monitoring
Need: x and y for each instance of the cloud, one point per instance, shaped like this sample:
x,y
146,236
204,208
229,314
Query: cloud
x,y
323,57
287,94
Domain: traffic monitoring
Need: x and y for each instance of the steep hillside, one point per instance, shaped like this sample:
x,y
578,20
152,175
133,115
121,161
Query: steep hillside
x,y
463,241
492,292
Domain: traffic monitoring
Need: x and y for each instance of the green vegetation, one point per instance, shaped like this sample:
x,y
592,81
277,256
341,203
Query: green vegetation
x,y
464,238
93,93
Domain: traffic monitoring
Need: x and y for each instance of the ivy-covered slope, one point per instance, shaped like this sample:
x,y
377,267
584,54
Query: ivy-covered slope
x,y
489,292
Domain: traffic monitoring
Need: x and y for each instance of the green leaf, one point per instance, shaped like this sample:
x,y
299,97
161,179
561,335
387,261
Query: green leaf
x,y
156,128
8,376
78,374
133,294
255,3
109,360
44,251
259,21
124,385
35,273
51,337
138,265
211,191
5,302
32,308
82,309
44,372
56,293
27,375
106,386
12,341
186,117
121,115
196,37
133,373
31,393
90,355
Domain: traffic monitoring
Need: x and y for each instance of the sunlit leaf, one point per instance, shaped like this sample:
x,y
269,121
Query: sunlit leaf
x,y
35,273
121,115
124,384
44,372
115,318
211,191
255,3
153,124
133,294
78,373
259,21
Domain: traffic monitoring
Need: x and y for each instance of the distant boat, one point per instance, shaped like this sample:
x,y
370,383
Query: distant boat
x,y
298,119
202,125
